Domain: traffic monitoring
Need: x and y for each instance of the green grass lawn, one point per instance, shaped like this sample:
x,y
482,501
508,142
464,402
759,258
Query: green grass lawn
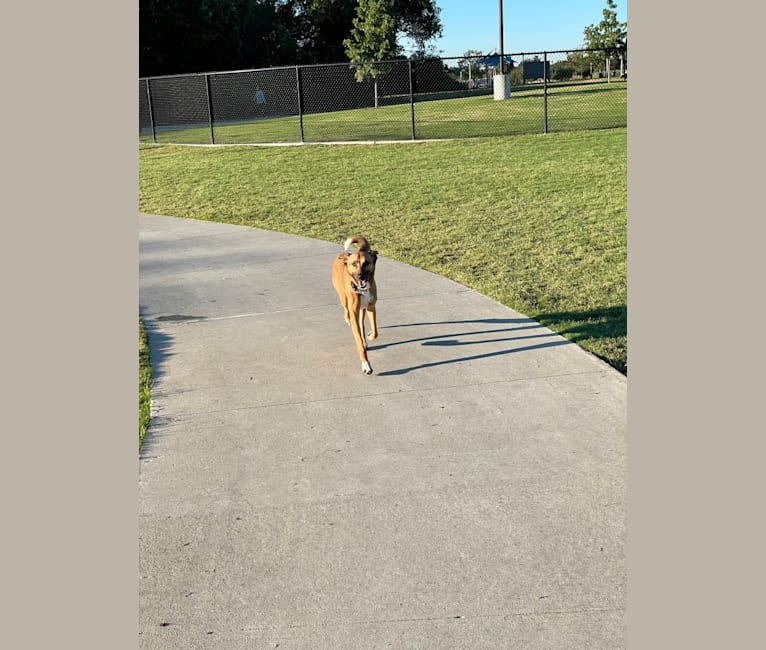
x,y
537,222
144,383
586,106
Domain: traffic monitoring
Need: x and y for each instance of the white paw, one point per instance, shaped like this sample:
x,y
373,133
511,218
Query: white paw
x,y
367,368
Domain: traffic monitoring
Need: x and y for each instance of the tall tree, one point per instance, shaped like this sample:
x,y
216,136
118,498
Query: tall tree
x,y
610,34
323,25
178,36
471,63
581,63
418,20
373,39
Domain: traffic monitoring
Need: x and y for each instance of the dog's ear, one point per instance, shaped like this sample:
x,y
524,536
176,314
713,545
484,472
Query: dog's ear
x,y
374,255
343,257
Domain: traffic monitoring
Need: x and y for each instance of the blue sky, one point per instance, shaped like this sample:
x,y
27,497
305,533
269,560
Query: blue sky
x,y
528,25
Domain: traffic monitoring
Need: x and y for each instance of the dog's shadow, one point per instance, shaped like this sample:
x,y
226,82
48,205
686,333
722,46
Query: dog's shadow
x,y
453,340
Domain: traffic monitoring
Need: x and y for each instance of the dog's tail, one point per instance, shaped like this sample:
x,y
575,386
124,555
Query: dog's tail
x,y
360,242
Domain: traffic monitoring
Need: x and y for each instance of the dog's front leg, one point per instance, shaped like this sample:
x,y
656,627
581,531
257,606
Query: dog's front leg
x,y
357,325
373,322
361,326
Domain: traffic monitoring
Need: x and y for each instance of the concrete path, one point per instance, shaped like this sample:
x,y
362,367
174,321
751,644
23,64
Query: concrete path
x,y
468,494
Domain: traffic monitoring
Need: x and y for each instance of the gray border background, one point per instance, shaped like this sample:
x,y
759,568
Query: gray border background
x,y
695,530
70,259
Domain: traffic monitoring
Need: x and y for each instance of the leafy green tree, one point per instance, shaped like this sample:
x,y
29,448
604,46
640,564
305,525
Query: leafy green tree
x,y
179,36
470,65
322,26
562,71
581,63
373,39
419,21
610,34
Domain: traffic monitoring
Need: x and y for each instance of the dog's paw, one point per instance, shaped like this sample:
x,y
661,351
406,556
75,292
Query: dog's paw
x,y
372,336
367,368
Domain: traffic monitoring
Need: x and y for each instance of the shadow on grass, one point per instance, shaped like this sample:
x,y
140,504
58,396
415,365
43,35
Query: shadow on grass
x,y
591,325
160,345
565,92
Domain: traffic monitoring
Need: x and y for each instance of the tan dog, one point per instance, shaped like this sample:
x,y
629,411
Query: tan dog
x,y
353,276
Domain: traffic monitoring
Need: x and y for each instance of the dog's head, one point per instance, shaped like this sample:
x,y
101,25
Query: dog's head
x,y
360,266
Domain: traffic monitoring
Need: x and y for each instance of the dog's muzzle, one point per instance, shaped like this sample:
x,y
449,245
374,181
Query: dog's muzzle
x,y
360,286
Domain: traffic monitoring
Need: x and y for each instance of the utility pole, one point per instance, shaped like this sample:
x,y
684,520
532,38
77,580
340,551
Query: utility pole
x,y
502,51
502,80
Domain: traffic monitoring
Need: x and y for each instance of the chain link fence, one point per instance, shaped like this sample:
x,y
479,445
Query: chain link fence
x,y
391,100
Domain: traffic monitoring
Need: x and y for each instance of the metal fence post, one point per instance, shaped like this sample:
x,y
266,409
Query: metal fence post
x,y
209,108
151,112
300,98
545,92
412,100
